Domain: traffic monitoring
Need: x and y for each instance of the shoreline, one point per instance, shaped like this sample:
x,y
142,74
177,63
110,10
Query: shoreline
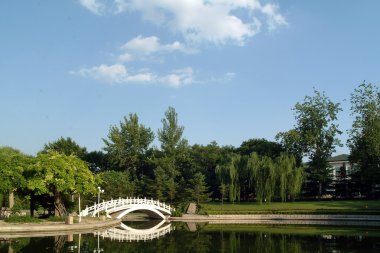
x,y
9,229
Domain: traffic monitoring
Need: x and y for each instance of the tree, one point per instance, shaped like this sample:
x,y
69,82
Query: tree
x,y
57,174
174,155
199,191
205,159
170,135
227,172
262,176
65,146
262,147
127,144
315,133
116,184
290,177
12,166
364,141
291,142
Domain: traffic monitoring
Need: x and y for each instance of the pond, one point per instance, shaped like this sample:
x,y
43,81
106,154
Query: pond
x,y
156,236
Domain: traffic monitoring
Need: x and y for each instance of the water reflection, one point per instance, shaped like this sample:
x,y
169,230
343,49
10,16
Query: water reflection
x,y
128,233
194,237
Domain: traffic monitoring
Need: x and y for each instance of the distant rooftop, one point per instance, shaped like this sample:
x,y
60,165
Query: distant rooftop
x,y
338,158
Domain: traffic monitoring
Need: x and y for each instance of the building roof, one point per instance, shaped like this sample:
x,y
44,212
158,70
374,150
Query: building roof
x,y
338,158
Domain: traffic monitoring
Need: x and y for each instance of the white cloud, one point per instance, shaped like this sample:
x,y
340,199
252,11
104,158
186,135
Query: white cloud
x,y
199,21
178,77
118,74
114,74
94,6
139,47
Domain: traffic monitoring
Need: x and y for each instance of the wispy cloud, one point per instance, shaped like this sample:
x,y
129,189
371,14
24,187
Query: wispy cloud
x,y
140,47
199,21
118,74
95,6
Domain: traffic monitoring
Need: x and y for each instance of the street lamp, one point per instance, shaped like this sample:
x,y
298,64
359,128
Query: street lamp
x,y
100,190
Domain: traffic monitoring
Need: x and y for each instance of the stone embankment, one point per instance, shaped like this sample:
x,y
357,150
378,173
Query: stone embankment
x,y
352,220
56,227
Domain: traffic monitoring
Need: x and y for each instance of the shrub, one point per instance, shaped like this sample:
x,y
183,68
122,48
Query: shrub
x,y
22,219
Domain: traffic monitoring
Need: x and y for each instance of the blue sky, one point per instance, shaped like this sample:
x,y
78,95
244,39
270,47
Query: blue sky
x,y
232,69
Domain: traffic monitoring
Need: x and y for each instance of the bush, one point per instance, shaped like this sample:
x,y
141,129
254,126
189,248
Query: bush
x,y
22,219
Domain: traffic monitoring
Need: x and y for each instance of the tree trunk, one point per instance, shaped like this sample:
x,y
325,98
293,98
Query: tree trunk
x,y
11,199
32,204
319,190
59,207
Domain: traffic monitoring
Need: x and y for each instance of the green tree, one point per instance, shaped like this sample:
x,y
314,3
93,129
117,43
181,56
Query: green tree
x,y
172,158
205,159
116,184
262,176
290,177
199,190
65,146
170,135
12,166
262,147
291,142
57,174
127,144
227,172
315,134
364,141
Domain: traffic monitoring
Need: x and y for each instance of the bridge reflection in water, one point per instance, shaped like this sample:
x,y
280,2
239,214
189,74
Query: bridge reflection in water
x,y
129,234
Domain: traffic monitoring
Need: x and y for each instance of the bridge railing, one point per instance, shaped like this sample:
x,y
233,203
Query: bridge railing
x,y
106,205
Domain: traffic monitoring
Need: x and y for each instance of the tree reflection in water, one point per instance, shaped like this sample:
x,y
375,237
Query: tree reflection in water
x,y
203,239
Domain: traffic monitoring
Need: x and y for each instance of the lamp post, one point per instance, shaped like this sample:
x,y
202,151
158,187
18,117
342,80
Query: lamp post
x,y
100,190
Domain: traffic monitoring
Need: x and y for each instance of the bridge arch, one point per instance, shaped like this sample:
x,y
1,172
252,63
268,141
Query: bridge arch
x,y
121,207
151,212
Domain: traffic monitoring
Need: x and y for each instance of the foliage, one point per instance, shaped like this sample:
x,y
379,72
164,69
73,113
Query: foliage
x,y
199,190
170,135
364,141
12,166
65,146
262,147
127,144
22,219
56,174
315,134
227,175
263,177
116,184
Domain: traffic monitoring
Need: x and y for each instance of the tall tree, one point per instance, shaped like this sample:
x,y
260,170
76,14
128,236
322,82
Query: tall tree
x,y
127,144
315,133
290,177
116,184
199,190
364,141
174,153
66,146
57,174
262,147
170,135
12,166
263,176
227,172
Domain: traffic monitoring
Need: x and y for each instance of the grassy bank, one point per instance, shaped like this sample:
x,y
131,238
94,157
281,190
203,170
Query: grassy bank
x,y
307,207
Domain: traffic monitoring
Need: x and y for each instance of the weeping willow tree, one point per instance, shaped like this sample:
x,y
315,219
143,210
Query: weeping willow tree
x,y
227,172
263,177
289,176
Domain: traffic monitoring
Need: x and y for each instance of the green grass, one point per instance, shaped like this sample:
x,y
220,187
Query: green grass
x,y
307,207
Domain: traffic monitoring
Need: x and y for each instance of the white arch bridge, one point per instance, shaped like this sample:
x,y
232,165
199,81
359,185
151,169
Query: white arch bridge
x,y
119,208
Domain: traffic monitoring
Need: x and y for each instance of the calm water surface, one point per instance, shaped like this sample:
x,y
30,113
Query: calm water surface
x,y
183,237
